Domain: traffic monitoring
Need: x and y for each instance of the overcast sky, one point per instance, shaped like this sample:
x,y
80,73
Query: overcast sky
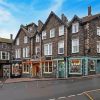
x,y
13,13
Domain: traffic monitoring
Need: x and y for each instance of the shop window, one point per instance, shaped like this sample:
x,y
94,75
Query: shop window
x,y
26,68
48,67
91,65
75,66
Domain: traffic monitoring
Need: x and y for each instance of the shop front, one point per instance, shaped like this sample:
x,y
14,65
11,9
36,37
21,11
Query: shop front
x,y
59,67
47,68
16,69
81,66
75,67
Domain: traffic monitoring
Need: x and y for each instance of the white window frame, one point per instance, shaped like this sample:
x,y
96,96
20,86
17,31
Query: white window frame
x,y
25,70
52,33
26,52
18,53
98,46
98,31
48,72
61,30
48,51
7,55
75,27
37,38
61,46
75,43
17,41
25,39
43,35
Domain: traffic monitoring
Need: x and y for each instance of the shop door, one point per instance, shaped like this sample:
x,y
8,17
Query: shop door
x,y
98,67
61,70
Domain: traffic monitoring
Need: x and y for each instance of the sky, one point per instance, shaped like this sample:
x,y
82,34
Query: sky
x,y
13,13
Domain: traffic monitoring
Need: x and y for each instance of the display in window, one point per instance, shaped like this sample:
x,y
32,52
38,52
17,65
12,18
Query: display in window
x,y
91,64
75,66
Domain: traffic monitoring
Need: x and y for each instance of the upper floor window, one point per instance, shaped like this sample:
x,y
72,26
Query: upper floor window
x,y
18,53
37,38
17,41
98,31
52,33
98,46
61,47
48,49
61,30
75,45
4,55
43,35
26,52
25,39
37,50
75,27
30,29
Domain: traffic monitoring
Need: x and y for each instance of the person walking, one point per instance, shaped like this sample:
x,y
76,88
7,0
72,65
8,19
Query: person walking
x,y
4,78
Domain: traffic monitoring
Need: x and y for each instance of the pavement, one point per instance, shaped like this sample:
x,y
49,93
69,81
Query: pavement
x,y
15,80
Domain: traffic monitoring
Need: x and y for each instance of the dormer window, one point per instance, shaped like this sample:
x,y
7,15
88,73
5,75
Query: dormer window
x,y
43,35
25,39
61,30
75,27
37,38
29,29
17,41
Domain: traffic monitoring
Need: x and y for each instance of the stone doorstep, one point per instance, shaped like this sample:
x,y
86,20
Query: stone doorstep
x,y
15,80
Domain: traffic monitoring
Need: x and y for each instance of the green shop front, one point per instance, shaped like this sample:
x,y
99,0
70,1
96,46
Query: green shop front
x,y
59,67
82,66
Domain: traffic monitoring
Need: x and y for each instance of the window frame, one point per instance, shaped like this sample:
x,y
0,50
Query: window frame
x,y
75,27
44,35
52,32
62,41
61,30
48,47
76,43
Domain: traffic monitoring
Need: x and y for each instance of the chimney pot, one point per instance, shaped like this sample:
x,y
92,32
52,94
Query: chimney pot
x,y
89,11
11,36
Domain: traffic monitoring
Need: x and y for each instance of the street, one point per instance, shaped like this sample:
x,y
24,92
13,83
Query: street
x,y
71,89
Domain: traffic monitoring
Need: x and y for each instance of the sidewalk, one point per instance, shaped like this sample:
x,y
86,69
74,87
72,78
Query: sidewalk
x,y
15,80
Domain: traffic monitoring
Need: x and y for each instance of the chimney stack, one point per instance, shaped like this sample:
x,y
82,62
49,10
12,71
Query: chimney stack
x,y
64,18
89,11
11,36
40,24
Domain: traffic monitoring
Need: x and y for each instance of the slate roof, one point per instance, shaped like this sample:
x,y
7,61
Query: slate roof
x,y
89,18
5,40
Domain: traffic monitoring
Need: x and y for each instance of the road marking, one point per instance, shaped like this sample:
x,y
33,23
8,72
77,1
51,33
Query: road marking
x,y
93,90
61,97
80,94
71,96
90,97
52,99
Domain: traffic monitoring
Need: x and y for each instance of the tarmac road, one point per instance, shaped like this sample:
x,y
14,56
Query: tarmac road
x,y
72,89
